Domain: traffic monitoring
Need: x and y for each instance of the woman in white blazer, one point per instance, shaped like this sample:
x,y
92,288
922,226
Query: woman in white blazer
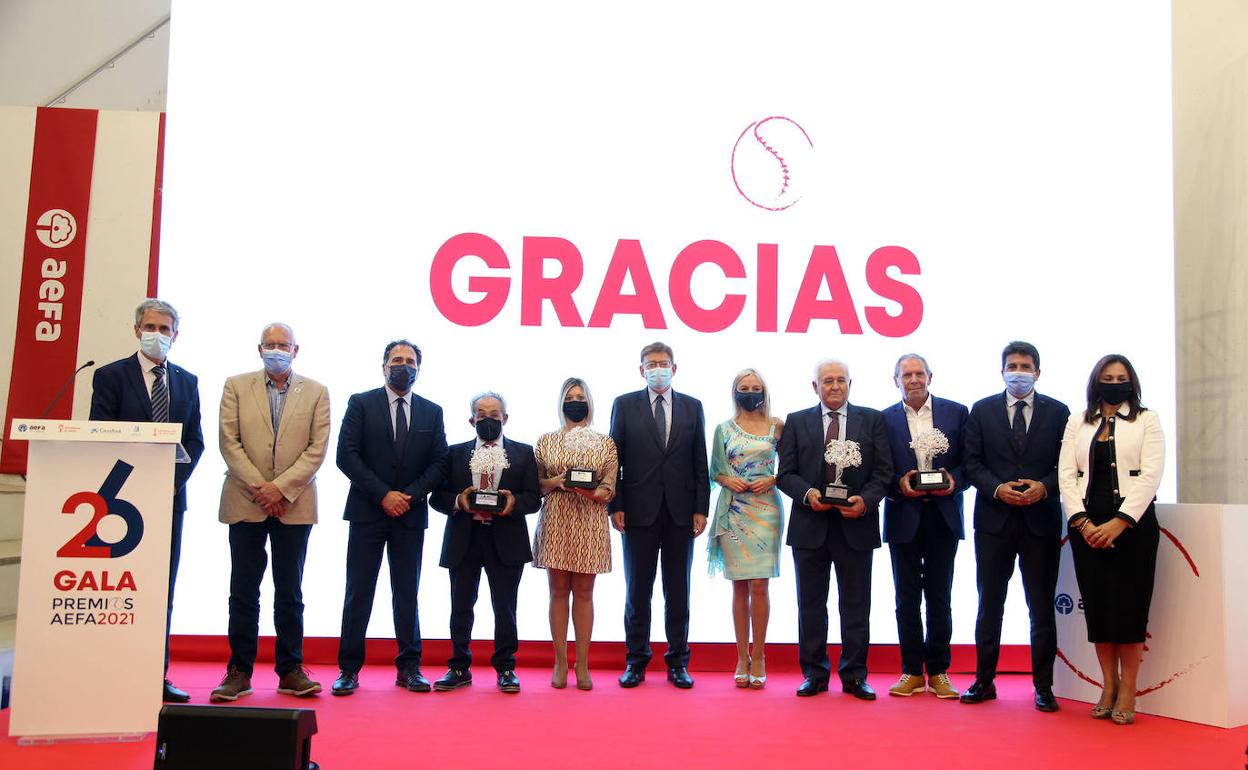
x,y
1108,471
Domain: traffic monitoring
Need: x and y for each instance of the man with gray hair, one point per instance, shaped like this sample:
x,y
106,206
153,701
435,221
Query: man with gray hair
x,y
145,387
480,536
274,432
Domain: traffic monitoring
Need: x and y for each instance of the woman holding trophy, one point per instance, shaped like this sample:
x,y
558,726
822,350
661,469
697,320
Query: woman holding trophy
x,y
745,534
1109,469
577,469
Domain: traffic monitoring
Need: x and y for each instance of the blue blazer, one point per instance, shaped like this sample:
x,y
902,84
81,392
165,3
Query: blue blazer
x,y
801,469
119,392
366,455
651,474
990,460
901,513
511,532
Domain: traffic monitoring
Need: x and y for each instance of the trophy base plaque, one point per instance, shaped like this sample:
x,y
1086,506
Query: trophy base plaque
x,y
926,481
493,502
834,494
580,478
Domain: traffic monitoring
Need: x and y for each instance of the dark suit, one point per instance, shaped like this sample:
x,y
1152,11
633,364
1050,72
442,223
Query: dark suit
x,y
500,547
367,456
1003,532
922,535
119,391
660,488
822,539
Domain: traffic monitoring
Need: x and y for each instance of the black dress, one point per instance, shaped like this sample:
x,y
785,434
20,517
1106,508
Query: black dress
x,y
1116,583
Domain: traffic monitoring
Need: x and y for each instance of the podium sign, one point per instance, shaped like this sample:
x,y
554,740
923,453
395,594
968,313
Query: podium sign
x,y
94,580
1194,667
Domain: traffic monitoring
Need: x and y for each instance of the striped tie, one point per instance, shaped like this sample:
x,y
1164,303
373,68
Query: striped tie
x,y
160,395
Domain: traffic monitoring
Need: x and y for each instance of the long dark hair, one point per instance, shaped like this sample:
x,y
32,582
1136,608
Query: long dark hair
x,y
1094,401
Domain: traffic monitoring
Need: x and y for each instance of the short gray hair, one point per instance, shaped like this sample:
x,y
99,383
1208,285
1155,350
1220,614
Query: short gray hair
x,y
472,405
278,325
160,306
910,357
829,361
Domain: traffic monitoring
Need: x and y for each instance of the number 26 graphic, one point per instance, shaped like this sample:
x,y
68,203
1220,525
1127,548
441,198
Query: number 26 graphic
x,y
87,543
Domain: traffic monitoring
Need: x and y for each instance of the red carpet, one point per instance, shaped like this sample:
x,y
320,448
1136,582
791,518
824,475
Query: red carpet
x,y
657,726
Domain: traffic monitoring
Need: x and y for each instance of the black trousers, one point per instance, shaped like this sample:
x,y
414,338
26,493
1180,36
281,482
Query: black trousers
x,y
404,548
644,549
923,571
813,567
248,559
175,556
1038,559
504,589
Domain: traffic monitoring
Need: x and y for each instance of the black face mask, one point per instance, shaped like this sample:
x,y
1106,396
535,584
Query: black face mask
x,y
575,410
1113,393
401,378
489,429
749,401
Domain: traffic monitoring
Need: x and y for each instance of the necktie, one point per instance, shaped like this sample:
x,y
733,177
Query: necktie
x,y
660,421
1020,426
160,395
400,427
833,434
487,479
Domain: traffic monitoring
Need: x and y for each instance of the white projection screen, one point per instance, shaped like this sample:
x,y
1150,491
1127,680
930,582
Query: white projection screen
x,y
536,190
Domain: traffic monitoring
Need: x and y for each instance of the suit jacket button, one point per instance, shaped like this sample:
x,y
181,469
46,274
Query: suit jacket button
x,y
1115,491
1113,465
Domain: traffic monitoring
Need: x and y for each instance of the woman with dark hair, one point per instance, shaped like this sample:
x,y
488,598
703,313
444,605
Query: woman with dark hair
x,y
572,541
1108,471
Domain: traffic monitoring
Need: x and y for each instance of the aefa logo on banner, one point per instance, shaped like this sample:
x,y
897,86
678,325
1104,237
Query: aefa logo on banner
x,y
765,170
56,228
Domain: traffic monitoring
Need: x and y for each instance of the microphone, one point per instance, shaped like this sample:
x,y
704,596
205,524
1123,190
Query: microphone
x,y
61,392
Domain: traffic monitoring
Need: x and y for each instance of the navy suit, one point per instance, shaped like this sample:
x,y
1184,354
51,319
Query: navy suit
x,y
500,547
368,457
660,488
823,539
1003,532
119,392
922,535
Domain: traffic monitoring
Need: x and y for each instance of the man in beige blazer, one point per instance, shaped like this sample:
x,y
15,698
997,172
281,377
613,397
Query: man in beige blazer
x,y
274,431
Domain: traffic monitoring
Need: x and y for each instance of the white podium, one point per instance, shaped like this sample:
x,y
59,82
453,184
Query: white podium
x,y
94,583
1195,665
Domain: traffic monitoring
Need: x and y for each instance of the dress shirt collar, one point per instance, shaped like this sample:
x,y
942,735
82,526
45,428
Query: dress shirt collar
x,y
925,409
391,397
271,383
843,411
1010,401
148,365
667,395
479,443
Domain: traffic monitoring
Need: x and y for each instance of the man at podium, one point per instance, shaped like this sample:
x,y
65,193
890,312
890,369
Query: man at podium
x,y
145,387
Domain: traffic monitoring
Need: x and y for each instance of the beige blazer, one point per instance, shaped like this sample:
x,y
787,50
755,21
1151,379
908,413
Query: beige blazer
x,y
1139,454
247,444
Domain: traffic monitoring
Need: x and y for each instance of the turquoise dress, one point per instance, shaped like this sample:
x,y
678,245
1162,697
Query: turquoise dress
x,y
746,532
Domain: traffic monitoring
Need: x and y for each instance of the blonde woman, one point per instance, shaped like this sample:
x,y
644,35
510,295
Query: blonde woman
x,y
746,532
573,541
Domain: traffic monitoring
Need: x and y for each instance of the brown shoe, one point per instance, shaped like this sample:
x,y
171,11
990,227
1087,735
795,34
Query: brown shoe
x,y
908,685
235,684
297,683
941,687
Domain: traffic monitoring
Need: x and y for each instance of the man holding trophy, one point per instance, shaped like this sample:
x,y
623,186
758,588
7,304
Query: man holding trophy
x,y
491,485
836,465
923,523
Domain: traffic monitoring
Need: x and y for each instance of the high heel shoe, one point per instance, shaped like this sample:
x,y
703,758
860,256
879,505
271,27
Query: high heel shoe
x,y
583,682
1123,717
559,677
742,675
757,681
1100,711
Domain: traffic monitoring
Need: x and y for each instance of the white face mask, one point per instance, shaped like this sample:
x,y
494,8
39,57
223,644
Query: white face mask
x,y
155,345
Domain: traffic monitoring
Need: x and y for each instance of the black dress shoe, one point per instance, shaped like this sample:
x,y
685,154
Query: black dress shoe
x,y
453,679
979,692
346,683
632,676
812,687
859,689
508,681
173,695
413,680
1045,700
680,677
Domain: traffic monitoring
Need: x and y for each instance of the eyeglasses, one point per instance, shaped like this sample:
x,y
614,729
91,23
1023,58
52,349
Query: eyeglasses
x,y
286,346
657,365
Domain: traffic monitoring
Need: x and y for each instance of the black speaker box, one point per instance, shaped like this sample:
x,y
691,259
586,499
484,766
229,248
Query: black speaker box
x,y
235,737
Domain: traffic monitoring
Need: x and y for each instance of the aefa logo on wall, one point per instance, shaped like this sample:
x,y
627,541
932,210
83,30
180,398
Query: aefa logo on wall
x,y
56,228
769,166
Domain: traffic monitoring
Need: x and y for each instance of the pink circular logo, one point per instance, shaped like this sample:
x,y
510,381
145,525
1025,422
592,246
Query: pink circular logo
x,y
771,163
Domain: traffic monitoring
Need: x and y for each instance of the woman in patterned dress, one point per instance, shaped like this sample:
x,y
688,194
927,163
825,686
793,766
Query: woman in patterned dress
x,y
573,541
745,535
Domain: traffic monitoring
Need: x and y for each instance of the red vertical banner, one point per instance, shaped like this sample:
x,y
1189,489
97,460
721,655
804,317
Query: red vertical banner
x,y
153,257
49,304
